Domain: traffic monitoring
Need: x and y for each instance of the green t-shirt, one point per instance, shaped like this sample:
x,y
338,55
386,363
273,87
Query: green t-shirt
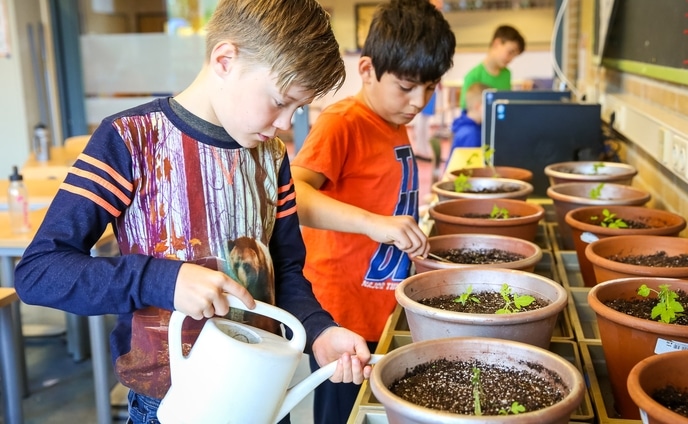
x,y
480,74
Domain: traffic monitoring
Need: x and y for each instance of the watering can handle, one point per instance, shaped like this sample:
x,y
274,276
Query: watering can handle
x,y
297,342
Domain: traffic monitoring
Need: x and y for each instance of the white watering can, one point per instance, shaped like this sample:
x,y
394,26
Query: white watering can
x,y
236,373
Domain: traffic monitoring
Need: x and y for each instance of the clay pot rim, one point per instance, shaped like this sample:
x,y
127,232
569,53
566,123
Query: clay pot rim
x,y
650,241
538,212
640,397
638,196
598,306
574,396
572,219
627,171
523,173
530,260
501,276
524,190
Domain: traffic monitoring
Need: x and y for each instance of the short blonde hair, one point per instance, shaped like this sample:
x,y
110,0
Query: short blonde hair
x,y
474,94
293,38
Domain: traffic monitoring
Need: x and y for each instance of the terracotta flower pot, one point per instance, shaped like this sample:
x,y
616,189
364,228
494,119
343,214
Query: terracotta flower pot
x,y
585,172
653,373
605,269
660,223
520,189
547,365
510,172
533,327
626,340
569,196
531,251
449,217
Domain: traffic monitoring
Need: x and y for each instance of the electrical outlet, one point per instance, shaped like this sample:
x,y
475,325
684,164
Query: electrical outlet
x,y
679,151
664,153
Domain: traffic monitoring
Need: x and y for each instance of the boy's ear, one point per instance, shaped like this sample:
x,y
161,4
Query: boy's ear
x,y
366,69
223,57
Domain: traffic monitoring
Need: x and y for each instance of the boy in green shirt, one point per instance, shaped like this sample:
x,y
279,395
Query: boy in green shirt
x,y
506,44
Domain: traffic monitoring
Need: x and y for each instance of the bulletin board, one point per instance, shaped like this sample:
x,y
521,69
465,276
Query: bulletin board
x,y
364,15
649,38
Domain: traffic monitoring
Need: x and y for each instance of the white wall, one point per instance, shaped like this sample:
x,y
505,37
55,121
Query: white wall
x,y
18,102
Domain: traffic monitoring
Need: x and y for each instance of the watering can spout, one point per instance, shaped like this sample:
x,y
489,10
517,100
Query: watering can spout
x,y
302,389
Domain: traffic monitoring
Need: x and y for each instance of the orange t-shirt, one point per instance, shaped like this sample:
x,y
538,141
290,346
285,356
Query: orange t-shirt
x,y
367,163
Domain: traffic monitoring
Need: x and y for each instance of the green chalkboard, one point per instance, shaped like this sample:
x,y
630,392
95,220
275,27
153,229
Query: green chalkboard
x,y
650,32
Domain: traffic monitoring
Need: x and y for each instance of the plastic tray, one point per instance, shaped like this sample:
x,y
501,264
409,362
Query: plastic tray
x,y
583,318
568,269
564,348
598,384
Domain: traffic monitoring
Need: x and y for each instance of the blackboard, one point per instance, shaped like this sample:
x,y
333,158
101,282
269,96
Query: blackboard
x,y
653,32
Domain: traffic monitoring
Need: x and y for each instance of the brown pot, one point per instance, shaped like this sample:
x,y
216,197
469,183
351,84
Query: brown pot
x,y
531,251
548,365
445,189
627,340
449,217
510,172
533,327
605,269
569,196
660,223
584,172
653,373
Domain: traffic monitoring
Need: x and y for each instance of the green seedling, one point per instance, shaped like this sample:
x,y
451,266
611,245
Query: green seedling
x,y
668,308
466,296
513,301
489,156
515,408
596,167
596,191
461,184
477,391
609,220
499,213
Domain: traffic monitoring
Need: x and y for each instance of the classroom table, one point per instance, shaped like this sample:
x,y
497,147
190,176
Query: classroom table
x,y
56,167
9,360
12,246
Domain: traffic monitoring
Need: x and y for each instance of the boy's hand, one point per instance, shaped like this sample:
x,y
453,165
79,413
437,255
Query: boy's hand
x,y
402,231
201,292
350,349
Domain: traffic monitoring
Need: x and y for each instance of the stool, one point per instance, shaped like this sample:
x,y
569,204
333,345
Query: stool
x,y
9,363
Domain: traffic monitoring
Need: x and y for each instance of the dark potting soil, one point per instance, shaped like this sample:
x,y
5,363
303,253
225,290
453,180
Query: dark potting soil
x,y
499,189
486,216
567,170
448,386
631,224
479,256
488,302
673,398
659,259
641,307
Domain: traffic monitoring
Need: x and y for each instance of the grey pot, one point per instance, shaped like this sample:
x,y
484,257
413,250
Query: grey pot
x,y
533,327
548,365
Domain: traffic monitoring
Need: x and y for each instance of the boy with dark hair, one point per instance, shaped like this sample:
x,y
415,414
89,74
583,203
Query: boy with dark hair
x,y
357,180
506,44
198,190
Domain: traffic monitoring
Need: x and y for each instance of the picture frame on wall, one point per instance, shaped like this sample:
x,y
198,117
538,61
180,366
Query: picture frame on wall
x,y
364,15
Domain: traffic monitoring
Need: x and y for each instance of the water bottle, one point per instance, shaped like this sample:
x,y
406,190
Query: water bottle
x,y
18,200
41,145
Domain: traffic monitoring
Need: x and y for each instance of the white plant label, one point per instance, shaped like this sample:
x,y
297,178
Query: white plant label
x,y
588,237
664,346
